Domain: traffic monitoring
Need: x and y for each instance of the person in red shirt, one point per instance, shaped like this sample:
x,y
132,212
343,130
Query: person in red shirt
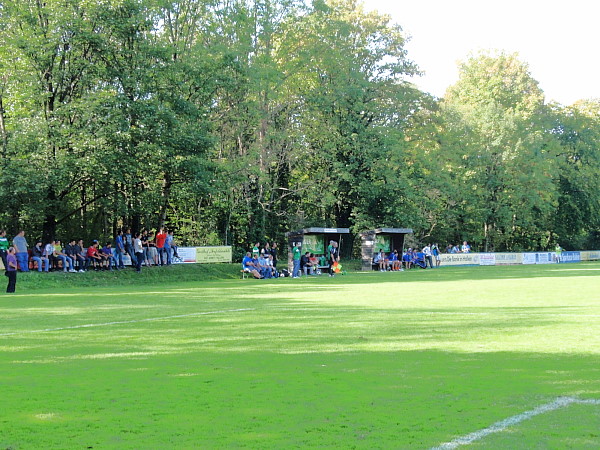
x,y
93,256
160,239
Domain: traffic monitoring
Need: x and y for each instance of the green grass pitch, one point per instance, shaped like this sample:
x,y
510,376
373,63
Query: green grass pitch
x,y
377,360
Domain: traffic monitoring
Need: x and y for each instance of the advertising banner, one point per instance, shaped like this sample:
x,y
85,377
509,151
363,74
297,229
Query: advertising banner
x,y
593,255
528,258
460,259
545,258
570,257
187,255
509,258
314,243
487,259
212,254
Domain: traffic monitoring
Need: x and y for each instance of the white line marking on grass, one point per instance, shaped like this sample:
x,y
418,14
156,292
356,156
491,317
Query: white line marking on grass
x,y
152,319
558,403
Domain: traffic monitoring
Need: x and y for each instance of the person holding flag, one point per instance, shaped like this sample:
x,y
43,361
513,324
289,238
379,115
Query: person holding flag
x,y
334,258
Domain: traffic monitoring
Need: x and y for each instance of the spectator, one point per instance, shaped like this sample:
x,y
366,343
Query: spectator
x,y
437,255
296,255
129,247
455,249
380,261
49,252
67,262
428,255
407,259
394,261
3,248
449,248
465,247
305,265
271,267
263,267
93,256
11,270
152,251
315,264
173,244
21,246
419,259
159,240
38,255
139,252
168,248
249,267
274,253
119,249
81,256
146,248
108,256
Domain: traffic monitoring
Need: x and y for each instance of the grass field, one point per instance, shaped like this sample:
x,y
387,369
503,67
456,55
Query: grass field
x,y
378,360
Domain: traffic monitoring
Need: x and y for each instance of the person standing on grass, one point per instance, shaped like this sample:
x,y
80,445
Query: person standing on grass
x,y
119,249
159,240
334,257
296,255
129,247
436,254
11,270
139,252
428,255
21,246
3,247
558,250
274,253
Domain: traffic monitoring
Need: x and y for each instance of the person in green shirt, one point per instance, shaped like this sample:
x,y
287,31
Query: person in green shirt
x,y
3,247
296,254
558,250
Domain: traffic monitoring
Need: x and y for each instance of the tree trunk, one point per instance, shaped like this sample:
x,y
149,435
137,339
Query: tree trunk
x,y
166,197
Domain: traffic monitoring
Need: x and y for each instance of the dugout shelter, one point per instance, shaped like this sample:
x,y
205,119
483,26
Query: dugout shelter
x,y
386,239
314,240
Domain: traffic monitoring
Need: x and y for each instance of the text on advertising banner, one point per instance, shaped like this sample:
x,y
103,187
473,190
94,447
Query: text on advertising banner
x,y
213,254
487,259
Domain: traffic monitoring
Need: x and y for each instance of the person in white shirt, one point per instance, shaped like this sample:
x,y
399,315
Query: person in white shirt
x,y
427,252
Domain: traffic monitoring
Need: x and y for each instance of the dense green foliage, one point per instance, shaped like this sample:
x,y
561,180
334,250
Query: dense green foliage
x,y
344,362
235,121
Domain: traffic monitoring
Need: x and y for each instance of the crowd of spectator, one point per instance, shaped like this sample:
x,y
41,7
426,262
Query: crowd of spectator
x,y
143,248
464,248
261,262
394,262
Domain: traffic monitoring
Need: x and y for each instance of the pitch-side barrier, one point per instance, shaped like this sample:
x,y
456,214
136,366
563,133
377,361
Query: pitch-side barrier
x,y
501,259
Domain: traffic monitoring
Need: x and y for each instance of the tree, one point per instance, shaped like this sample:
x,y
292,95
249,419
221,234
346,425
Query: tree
x,y
495,113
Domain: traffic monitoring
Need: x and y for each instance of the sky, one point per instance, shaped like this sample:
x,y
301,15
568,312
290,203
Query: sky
x,y
559,40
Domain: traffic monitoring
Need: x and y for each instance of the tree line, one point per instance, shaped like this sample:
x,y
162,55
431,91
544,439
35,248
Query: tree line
x,y
234,121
